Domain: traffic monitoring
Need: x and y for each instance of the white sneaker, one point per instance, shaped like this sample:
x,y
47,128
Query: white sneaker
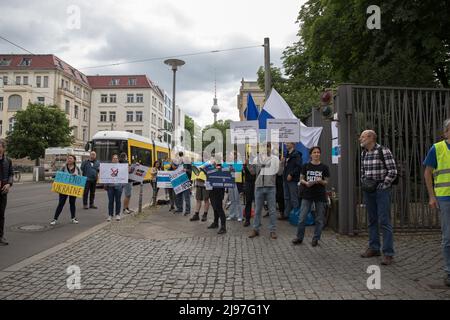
x,y
118,218
127,211
229,218
74,221
240,220
109,219
53,222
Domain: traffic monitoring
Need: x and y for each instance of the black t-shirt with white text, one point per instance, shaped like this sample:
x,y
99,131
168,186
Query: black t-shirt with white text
x,y
311,172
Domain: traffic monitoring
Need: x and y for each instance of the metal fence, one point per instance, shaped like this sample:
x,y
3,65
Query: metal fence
x,y
407,121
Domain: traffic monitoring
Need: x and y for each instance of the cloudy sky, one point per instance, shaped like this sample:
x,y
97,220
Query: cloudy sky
x,y
115,31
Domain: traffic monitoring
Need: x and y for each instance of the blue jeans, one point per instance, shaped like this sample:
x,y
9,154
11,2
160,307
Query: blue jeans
x,y
114,195
290,190
319,218
235,207
378,206
444,208
268,194
186,196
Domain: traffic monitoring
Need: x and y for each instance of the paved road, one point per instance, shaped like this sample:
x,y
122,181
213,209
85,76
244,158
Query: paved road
x,y
159,255
35,204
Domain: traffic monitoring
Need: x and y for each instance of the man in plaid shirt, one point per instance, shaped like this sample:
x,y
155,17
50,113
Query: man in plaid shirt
x,y
378,203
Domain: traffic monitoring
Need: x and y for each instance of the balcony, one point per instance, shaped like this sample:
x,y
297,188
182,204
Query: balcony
x,y
12,87
67,92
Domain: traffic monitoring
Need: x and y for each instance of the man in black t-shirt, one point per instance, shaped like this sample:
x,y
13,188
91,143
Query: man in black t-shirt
x,y
313,179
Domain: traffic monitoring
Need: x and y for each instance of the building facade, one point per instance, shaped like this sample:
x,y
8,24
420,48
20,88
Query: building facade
x,y
256,92
48,80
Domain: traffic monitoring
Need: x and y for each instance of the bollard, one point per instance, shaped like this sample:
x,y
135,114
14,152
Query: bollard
x,y
141,189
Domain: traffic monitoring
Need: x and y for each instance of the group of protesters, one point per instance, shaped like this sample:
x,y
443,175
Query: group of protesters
x,y
270,178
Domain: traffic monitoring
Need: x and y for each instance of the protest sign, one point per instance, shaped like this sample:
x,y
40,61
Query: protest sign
x,y
180,181
283,130
221,179
68,184
163,180
244,132
113,173
138,172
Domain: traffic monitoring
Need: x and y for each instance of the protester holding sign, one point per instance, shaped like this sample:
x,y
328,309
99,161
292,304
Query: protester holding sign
x,y
114,191
72,169
313,179
216,196
90,168
154,173
185,195
291,176
128,187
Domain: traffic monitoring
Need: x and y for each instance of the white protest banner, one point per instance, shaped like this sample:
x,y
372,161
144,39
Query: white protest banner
x,y
163,179
113,173
138,172
244,132
180,181
283,130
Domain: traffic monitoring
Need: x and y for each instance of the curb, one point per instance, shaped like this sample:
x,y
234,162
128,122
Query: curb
x,y
43,254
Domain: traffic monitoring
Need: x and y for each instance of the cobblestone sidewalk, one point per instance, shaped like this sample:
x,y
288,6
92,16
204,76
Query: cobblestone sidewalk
x,y
159,255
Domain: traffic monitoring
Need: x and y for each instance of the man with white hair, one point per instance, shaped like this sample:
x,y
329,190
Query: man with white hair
x,y
437,179
378,172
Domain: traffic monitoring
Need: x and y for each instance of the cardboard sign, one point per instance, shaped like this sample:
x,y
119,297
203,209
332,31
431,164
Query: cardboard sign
x,y
113,173
68,184
138,172
180,181
283,130
244,132
163,180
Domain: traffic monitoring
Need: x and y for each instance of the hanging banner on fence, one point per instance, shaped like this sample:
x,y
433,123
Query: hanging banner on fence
x,y
221,179
68,184
244,132
138,172
163,180
180,181
113,173
283,130
335,148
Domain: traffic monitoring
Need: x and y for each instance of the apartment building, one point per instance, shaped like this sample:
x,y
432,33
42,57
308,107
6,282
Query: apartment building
x,y
48,80
256,92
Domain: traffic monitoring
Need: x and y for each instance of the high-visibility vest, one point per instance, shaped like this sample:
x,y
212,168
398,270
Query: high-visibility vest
x,y
442,173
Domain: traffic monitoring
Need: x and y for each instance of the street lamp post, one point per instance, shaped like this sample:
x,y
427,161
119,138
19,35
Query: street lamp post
x,y
174,63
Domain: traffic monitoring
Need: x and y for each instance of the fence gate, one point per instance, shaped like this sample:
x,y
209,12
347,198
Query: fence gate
x,y
408,121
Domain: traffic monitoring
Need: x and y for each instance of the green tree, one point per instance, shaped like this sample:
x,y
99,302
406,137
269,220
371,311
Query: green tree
x,y
189,124
36,128
222,126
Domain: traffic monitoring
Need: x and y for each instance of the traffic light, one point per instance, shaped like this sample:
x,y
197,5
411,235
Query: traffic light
x,y
327,103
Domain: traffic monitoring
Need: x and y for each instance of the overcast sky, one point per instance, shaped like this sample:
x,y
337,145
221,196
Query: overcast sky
x,y
113,31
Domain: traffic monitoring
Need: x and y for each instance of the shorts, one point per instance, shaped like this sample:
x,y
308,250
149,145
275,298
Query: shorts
x,y
127,189
201,194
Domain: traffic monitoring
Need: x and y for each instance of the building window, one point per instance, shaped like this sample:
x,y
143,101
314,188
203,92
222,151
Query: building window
x,y
18,80
179,117
165,136
84,134
41,100
139,98
103,116
75,111
38,81
153,118
1,103
67,107
129,116
138,116
160,123
160,107
45,81
14,103
1,127
115,82
25,62
130,131
112,98
5,80
25,80
104,98
4,62
139,132
112,116
130,98
131,81
85,114
154,101
75,132
12,122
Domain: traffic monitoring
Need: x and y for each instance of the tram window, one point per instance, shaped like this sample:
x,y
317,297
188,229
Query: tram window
x,y
161,155
143,156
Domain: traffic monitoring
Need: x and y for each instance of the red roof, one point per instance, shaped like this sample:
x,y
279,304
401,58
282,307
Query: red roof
x,y
41,62
122,82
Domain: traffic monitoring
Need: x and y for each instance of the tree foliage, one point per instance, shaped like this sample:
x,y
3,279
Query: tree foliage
x,y
36,128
